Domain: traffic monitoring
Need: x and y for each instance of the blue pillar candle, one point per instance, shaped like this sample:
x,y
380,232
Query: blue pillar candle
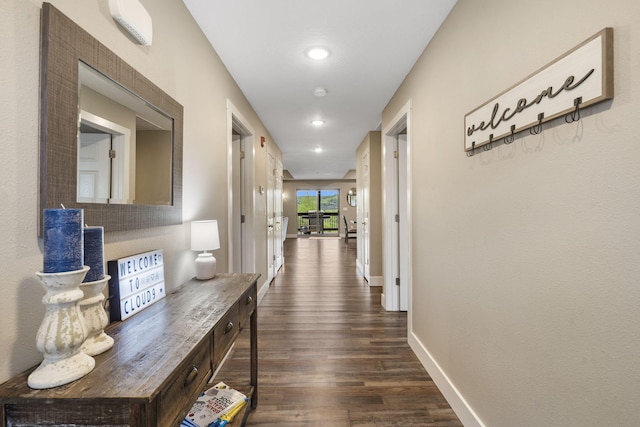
x,y
94,253
63,240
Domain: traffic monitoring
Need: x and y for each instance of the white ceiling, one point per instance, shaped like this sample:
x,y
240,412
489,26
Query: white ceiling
x,y
373,45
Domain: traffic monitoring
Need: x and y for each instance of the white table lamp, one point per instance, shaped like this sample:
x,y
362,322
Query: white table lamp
x,y
204,237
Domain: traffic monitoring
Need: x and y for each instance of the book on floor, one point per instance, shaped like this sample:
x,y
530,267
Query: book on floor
x,y
212,404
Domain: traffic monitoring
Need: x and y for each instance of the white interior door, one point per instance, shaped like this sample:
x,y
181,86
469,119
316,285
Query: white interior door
x,y
94,168
277,210
396,234
271,235
103,161
403,243
397,292
364,229
238,205
241,192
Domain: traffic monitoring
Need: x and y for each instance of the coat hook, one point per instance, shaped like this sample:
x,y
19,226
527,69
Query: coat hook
x,y
488,146
510,138
574,116
537,128
473,147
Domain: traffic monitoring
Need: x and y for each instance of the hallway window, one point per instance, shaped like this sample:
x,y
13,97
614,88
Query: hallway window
x,y
317,211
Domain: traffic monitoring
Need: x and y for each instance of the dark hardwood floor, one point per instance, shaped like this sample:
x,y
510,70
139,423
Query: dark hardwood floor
x,y
329,355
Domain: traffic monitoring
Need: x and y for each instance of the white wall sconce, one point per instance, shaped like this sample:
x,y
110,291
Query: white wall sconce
x,y
204,237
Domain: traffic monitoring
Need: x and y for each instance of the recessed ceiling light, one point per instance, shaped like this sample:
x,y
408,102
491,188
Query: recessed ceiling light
x,y
317,53
320,91
318,150
317,122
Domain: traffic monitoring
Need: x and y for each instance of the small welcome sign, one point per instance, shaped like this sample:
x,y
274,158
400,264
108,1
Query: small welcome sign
x,y
580,78
136,283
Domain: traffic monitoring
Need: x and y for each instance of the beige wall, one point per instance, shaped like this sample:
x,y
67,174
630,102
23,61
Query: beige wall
x,y
526,274
289,204
183,64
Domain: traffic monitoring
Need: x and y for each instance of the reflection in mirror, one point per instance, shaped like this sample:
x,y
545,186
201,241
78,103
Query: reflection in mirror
x,y
351,197
124,145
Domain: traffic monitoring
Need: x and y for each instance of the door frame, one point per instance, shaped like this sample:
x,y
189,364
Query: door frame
x,y
362,212
236,121
278,213
121,189
397,261
270,212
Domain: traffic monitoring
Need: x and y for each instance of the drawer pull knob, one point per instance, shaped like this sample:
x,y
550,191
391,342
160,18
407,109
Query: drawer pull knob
x,y
192,375
228,328
249,300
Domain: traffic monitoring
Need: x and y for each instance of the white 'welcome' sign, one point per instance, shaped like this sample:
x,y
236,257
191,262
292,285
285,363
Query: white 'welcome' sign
x,y
581,77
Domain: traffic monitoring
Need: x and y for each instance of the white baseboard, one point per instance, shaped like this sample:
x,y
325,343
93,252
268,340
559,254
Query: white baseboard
x,y
457,402
375,281
262,291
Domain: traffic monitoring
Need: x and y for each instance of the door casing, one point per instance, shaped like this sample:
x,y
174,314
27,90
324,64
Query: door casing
x,y
396,200
240,244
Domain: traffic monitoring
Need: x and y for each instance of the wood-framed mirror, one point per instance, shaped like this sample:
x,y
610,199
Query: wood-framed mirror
x,y
64,47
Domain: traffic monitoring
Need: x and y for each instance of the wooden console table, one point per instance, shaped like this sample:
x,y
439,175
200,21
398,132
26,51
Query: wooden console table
x,y
163,357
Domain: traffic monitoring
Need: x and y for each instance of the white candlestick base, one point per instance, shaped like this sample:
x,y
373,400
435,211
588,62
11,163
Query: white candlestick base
x,y
97,344
95,317
62,332
59,372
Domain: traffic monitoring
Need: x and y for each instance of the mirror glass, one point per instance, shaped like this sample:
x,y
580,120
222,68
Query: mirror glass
x,y
124,145
138,181
351,197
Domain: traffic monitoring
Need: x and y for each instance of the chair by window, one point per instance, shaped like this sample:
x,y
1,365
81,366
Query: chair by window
x,y
349,232
316,221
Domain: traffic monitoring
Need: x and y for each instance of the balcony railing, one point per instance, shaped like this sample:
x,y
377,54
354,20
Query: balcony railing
x,y
318,222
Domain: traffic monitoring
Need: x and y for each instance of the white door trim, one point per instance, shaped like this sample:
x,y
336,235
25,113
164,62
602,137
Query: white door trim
x,y
235,119
393,264
270,212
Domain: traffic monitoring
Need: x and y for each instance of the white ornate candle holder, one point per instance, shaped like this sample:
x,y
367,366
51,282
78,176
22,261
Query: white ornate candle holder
x,y
62,332
95,317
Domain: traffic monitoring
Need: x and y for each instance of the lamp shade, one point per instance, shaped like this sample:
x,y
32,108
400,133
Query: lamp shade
x,y
204,235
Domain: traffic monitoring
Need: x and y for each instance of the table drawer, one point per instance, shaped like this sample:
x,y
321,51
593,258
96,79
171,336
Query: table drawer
x,y
224,333
186,385
246,305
